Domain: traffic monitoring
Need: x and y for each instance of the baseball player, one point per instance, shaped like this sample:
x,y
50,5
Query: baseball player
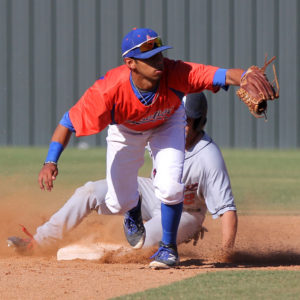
x,y
206,181
141,102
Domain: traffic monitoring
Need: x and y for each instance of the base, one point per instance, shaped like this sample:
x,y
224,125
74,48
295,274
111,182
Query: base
x,y
87,252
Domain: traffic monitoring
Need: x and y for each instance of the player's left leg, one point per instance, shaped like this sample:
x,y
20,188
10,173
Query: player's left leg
x,y
167,147
189,227
125,156
85,199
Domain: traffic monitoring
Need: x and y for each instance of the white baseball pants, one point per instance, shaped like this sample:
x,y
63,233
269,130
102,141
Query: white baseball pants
x,y
125,156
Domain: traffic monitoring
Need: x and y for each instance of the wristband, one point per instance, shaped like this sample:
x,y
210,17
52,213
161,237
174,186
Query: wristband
x,y
54,152
49,162
243,74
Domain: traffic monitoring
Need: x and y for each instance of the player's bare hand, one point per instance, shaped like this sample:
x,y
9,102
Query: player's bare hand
x,y
47,175
197,235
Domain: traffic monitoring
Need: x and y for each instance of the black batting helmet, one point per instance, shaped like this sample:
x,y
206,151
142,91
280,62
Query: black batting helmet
x,y
196,108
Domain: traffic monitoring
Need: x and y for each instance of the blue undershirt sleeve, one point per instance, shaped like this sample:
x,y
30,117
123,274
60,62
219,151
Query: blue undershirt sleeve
x,y
220,79
66,122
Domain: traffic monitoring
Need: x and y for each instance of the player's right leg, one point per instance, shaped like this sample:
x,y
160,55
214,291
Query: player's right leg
x,y
125,156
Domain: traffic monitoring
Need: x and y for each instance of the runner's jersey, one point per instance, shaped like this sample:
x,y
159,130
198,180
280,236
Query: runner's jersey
x,y
111,100
206,179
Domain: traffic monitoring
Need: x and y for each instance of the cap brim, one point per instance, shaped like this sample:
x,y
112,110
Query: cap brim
x,y
151,53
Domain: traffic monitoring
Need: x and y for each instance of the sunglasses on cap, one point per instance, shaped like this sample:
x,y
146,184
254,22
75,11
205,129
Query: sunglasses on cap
x,y
147,46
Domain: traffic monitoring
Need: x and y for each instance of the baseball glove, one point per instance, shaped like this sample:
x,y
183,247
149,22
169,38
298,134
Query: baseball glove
x,y
255,89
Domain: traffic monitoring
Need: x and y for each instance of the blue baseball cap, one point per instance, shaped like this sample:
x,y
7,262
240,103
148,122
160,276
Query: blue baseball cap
x,y
142,43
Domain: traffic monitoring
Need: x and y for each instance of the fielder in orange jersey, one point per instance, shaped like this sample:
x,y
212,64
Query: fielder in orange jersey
x,y
141,103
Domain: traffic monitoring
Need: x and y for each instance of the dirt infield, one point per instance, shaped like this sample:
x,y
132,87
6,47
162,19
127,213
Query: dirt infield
x,y
263,242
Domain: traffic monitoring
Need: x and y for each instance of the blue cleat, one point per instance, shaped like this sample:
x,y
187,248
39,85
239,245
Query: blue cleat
x,y
134,227
166,257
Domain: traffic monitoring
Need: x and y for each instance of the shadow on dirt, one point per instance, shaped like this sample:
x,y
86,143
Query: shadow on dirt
x,y
243,259
269,259
192,262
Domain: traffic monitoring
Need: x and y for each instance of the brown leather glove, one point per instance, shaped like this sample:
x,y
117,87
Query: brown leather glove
x,y
255,89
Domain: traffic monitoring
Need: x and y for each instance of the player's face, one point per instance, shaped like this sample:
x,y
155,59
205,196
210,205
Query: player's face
x,y
150,69
191,135
189,132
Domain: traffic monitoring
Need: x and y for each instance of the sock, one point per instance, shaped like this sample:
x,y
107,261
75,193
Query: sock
x,y
170,218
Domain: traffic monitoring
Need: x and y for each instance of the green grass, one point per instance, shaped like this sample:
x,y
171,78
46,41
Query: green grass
x,y
263,181
229,285
75,166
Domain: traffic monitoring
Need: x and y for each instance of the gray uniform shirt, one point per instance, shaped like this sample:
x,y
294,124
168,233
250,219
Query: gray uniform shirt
x,y
206,179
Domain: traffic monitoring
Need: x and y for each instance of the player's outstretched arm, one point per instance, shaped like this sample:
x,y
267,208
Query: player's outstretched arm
x,y
233,76
229,222
49,171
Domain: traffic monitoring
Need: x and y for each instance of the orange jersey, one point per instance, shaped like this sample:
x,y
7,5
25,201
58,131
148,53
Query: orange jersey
x,y
112,99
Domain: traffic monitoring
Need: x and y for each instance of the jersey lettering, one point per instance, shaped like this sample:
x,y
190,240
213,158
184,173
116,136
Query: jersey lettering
x,y
158,115
189,199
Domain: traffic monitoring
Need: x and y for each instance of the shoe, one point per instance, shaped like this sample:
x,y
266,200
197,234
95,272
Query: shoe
x,y
22,246
166,257
134,227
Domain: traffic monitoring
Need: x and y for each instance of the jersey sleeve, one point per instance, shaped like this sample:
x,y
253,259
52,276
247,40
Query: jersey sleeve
x,y
220,79
191,77
92,113
66,122
217,188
